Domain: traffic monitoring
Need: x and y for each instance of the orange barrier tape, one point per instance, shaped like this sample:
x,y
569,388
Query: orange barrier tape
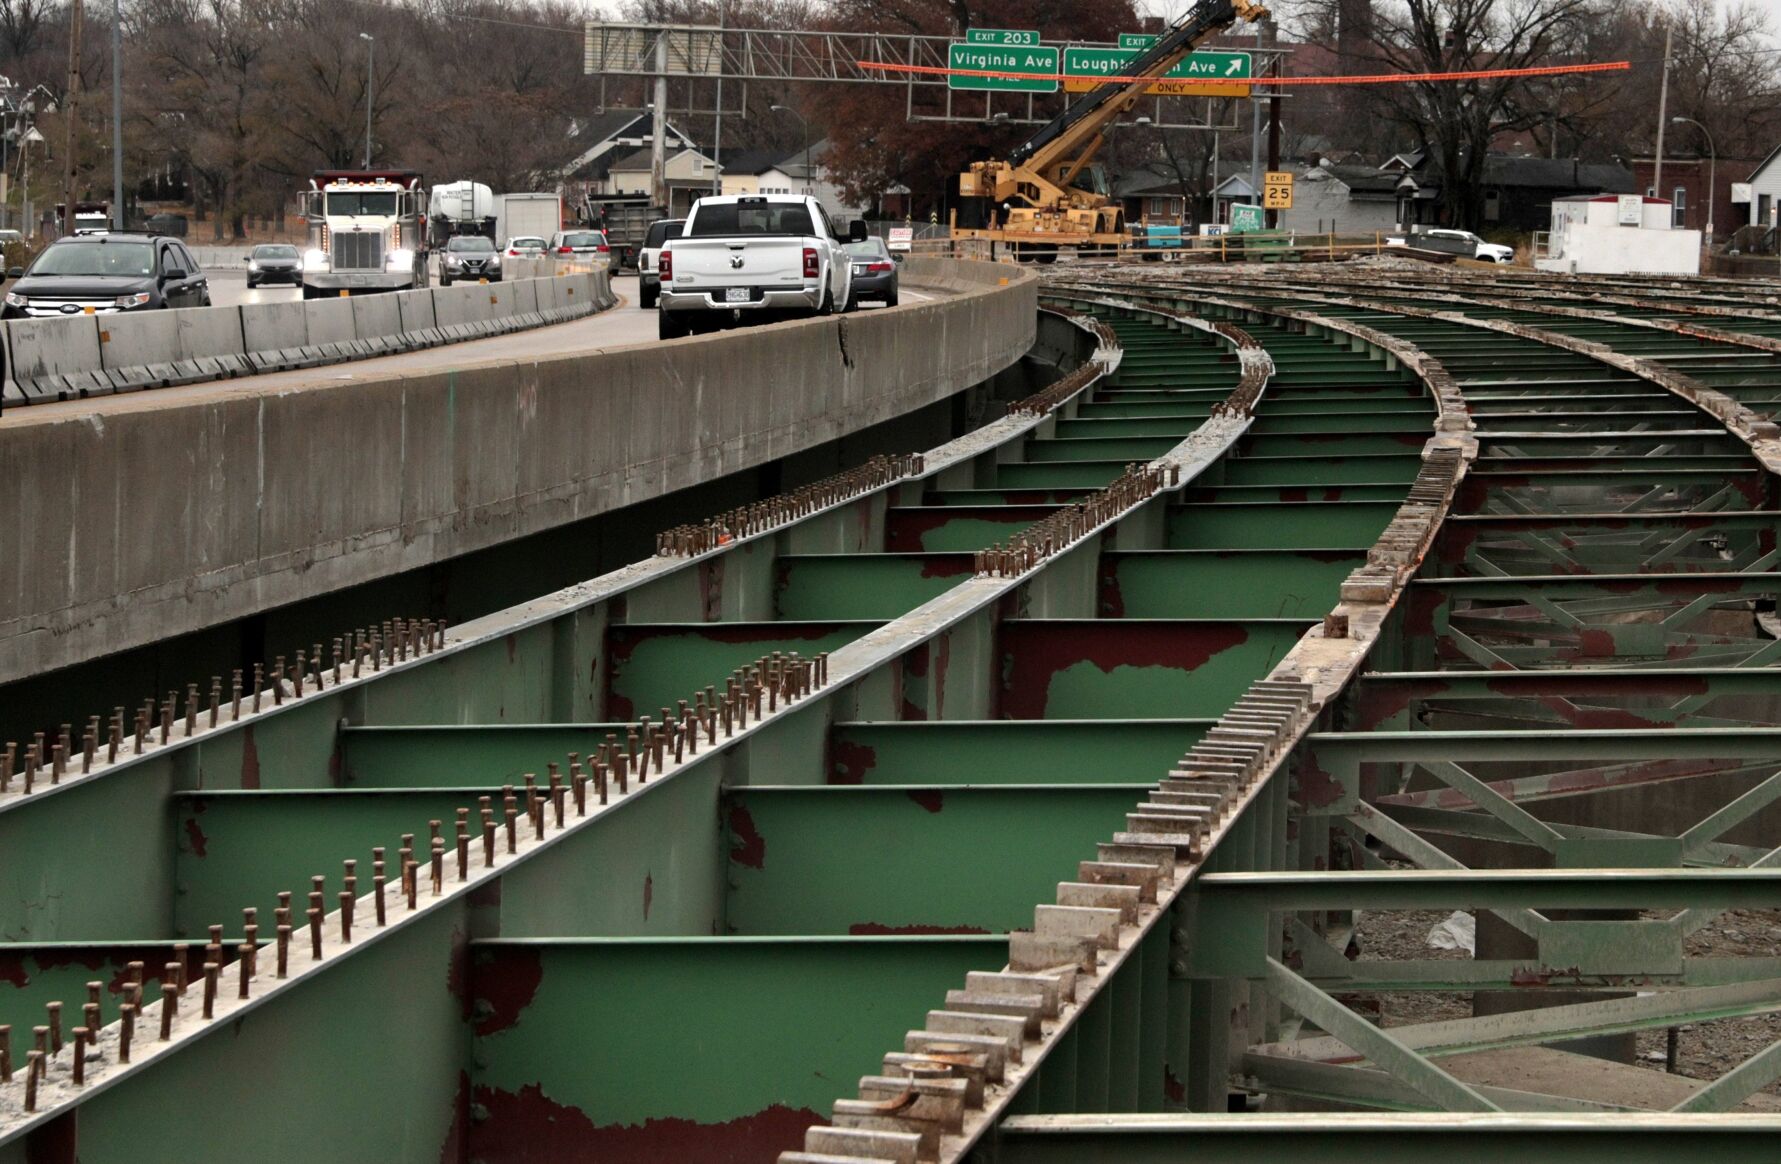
x,y
1369,79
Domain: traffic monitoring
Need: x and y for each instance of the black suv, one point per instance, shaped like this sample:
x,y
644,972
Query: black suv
x,y
108,273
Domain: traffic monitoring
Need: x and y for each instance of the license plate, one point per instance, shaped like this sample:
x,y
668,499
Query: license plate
x,y
735,295
859,268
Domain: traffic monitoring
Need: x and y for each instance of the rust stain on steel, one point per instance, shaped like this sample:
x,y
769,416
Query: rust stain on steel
x,y
1034,652
931,799
528,1127
880,930
512,647
506,986
1173,1088
456,1145
195,838
250,760
1317,787
13,972
649,892
1111,600
750,848
944,646
947,564
851,762
1378,703
711,586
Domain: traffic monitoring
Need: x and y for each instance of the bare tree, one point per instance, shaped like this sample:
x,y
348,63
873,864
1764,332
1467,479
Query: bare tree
x,y
1455,122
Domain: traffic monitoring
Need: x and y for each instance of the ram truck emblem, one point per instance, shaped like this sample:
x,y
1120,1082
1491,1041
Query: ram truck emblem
x,y
735,262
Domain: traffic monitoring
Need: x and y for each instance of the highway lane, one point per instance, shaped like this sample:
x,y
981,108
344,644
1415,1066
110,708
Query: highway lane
x,y
620,326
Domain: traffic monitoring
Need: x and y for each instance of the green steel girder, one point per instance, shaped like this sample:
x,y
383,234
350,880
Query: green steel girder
x,y
692,1049
1235,583
480,755
1234,893
918,859
1316,469
649,665
1147,668
960,752
1404,1138
1581,698
1310,525
876,587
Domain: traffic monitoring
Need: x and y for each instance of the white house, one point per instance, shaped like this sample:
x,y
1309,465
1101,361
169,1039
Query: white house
x,y
687,171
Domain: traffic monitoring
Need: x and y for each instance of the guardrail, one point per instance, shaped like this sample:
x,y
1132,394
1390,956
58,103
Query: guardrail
x,y
67,357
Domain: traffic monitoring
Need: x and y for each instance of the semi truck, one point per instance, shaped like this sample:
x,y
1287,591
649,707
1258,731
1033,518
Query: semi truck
x,y
523,215
367,232
458,208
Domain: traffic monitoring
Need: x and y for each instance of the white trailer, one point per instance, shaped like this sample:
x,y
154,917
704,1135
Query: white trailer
x,y
520,215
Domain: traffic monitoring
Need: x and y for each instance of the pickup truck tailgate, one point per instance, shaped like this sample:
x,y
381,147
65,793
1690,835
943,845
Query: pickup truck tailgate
x,y
730,262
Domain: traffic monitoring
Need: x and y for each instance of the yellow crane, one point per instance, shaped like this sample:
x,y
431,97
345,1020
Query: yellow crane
x,y
1038,183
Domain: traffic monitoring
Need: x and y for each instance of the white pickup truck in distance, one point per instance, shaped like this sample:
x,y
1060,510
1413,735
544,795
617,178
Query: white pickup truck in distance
x,y
752,257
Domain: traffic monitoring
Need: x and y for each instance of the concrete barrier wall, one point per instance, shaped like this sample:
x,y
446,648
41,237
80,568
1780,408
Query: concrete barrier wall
x,y
208,331
267,327
170,517
63,358
52,347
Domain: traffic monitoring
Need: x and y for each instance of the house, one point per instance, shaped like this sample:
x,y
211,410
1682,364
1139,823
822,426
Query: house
x,y
1152,194
609,137
1518,192
1689,181
1351,199
763,172
688,172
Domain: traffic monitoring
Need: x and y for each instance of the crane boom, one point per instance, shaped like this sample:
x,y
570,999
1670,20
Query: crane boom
x,y
1041,173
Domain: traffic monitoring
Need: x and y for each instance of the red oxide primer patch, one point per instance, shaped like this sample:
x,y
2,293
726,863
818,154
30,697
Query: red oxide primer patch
x,y
880,930
250,760
750,847
1038,651
195,838
931,799
851,762
507,983
527,1127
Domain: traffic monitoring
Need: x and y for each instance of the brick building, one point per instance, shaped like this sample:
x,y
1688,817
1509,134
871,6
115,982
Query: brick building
x,y
1686,179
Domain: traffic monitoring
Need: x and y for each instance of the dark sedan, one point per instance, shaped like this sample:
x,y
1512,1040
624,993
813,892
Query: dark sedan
x,y
274,263
101,274
874,272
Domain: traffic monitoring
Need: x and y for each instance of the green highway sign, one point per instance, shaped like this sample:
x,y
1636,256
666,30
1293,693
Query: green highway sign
x,y
1003,58
1001,36
1208,74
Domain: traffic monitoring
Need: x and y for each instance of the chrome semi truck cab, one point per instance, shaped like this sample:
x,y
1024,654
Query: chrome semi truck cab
x,y
367,232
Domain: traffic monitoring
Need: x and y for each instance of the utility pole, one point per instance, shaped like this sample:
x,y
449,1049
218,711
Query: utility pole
x,y
117,118
71,109
658,131
1663,119
1273,216
717,136
370,86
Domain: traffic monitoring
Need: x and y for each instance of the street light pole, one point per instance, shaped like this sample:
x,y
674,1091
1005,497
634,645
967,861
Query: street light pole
x,y
1712,170
370,88
806,125
117,119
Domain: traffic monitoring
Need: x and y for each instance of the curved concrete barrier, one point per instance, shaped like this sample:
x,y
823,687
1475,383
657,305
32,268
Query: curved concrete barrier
x,y
155,519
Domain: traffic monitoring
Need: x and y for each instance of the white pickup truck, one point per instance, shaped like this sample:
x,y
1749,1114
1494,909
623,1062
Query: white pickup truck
x,y
752,257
